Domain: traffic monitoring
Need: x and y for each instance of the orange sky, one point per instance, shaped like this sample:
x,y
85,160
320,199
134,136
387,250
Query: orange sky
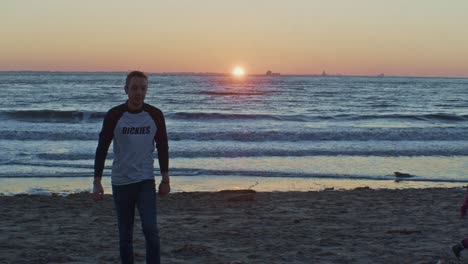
x,y
362,37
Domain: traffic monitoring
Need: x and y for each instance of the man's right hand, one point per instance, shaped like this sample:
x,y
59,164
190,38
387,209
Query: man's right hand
x,y
98,191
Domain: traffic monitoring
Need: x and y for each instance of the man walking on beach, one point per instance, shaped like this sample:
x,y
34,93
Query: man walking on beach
x,y
134,127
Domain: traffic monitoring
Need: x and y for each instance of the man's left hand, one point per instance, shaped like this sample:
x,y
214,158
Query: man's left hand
x,y
164,188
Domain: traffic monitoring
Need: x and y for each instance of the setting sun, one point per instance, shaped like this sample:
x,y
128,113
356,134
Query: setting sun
x,y
238,71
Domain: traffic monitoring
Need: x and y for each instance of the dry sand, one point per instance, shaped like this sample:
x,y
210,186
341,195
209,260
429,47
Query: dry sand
x,y
357,226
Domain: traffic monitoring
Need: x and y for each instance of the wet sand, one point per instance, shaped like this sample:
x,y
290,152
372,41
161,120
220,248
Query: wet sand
x,y
354,226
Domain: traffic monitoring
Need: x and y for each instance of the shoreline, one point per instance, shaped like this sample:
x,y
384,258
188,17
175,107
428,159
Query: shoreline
x,y
341,226
66,186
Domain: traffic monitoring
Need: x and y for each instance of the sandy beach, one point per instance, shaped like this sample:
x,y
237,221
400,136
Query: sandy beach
x,y
354,226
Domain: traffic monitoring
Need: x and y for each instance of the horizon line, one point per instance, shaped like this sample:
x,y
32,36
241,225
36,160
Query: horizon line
x,y
382,75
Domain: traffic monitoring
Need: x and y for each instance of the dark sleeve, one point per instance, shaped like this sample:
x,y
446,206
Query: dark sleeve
x,y
162,144
160,138
105,139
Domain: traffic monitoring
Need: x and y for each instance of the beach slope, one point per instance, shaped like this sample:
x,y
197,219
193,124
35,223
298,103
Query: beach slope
x,y
356,226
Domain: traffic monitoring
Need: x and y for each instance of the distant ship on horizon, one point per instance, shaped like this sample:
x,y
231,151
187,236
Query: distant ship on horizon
x,y
270,73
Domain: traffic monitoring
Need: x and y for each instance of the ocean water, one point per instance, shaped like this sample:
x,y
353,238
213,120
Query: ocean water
x,y
268,133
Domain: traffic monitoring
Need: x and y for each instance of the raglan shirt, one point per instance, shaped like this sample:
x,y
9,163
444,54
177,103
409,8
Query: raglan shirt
x,y
134,135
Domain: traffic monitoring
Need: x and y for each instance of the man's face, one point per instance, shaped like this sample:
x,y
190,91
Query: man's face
x,y
136,91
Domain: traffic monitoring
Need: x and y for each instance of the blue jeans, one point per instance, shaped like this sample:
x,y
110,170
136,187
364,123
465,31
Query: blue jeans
x,y
126,197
